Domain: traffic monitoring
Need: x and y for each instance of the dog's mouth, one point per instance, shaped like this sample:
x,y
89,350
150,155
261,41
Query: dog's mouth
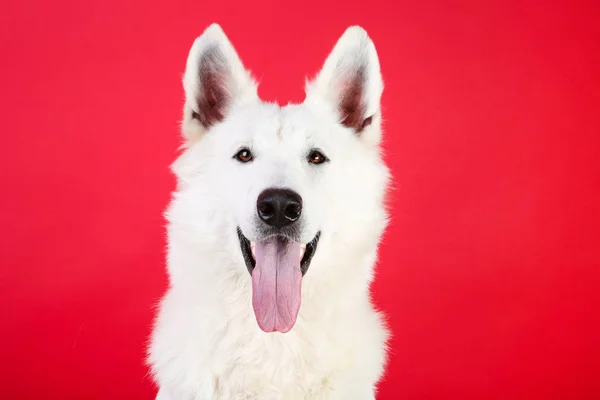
x,y
307,251
277,265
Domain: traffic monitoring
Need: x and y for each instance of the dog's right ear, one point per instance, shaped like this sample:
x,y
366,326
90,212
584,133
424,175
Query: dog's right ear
x,y
215,80
350,84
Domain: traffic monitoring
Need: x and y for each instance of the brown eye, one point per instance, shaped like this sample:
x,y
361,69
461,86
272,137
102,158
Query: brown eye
x,y
244,155
316,157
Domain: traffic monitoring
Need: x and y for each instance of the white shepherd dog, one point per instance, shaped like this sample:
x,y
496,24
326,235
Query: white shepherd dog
x,y
273,233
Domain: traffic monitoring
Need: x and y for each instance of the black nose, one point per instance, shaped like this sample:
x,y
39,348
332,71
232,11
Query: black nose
x,y
279,207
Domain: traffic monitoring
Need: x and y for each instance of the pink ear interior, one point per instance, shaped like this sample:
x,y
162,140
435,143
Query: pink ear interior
x,y
213,94
352,107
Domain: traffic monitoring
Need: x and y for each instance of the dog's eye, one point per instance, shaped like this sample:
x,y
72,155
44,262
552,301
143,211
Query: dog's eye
x,y
244,155
316,157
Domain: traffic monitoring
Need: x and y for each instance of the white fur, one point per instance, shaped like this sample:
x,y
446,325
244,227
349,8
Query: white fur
x,y
206,343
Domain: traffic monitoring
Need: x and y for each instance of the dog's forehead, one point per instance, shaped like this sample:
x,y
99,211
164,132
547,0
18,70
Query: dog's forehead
x,y
298,117
270,122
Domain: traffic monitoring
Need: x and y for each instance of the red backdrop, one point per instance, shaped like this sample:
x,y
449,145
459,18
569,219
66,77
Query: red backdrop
x,y
489,271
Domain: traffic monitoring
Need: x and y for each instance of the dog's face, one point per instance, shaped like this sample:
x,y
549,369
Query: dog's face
x,y
284,181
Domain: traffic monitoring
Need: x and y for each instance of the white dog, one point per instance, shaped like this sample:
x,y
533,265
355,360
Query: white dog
x,y
273,233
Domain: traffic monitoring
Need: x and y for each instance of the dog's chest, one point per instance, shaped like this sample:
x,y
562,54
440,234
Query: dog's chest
x,y
296,365
218,352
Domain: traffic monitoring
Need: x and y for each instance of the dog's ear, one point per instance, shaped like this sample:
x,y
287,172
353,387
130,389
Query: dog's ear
x,y
350,82
215,80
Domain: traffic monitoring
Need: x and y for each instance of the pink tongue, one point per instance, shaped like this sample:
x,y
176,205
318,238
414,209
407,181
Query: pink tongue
x,y
276,284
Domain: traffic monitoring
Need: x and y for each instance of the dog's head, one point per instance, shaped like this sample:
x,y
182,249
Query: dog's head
x,y
288,186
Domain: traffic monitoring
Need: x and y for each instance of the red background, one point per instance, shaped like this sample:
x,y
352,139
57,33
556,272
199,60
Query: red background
x,y
489,271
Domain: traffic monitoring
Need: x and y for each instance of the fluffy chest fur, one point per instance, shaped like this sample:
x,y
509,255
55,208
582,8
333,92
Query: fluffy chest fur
x,y
211,348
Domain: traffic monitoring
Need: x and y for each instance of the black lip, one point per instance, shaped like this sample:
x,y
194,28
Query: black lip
x,y
311,248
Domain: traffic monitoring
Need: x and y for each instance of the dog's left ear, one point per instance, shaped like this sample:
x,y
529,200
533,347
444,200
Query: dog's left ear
x,y
350,82
215,81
